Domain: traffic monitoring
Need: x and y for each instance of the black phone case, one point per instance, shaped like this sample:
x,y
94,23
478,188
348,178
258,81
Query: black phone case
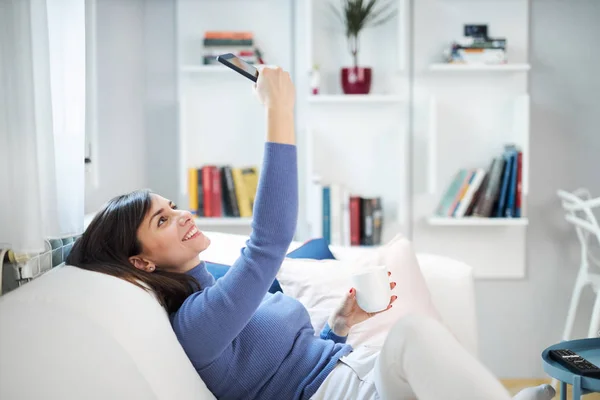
x,y
226,62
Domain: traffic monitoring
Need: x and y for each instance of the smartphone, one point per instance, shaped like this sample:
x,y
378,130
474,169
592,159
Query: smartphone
x,y
239,65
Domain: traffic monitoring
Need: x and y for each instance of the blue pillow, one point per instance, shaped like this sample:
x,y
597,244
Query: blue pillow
x,y
316,249
218,270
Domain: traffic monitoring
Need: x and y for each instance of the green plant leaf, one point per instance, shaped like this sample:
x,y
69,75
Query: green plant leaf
x,y
382,20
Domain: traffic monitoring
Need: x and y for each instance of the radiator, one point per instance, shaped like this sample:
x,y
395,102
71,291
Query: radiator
x,y
17,269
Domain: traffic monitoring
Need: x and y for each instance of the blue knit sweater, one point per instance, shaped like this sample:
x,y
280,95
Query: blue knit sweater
x,y
244,342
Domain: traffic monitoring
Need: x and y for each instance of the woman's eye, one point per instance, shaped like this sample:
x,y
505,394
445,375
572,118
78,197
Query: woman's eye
x,y
174,206
162,220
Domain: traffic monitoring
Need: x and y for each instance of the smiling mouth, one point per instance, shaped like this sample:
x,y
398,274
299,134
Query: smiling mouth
x,y
192,233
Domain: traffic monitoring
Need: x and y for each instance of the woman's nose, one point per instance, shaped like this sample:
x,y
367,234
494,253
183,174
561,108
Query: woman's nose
x,y
185,216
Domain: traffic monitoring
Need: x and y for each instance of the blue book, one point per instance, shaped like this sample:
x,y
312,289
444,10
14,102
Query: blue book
x,y
327,214
503,189
511,210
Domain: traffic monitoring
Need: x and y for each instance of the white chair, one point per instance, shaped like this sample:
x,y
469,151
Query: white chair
x,y
579,207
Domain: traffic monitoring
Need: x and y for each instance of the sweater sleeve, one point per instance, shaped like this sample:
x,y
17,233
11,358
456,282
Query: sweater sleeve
x,y
327,334
209,320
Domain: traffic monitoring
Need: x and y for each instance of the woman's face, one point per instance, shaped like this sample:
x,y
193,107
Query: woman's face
x,y
169,238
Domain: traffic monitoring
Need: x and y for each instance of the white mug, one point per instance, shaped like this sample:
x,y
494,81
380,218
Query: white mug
x,y
372,287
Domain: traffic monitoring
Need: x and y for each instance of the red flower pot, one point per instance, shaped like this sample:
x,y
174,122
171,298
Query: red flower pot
x,y
356,80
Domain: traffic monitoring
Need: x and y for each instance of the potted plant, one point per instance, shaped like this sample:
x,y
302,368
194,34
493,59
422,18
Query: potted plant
x,y
357,15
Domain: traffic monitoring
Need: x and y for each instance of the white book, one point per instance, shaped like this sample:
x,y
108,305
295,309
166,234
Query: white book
x,y
336,214
468,197
346,217
316,208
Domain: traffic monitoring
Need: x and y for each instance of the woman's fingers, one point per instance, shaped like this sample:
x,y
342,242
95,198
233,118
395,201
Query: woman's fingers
x,y
392,299
392,285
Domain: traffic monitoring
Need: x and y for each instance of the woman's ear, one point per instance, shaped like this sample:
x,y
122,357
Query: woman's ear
x,y
142,264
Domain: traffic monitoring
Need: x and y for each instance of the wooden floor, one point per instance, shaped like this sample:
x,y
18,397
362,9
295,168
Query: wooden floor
x,y
515,385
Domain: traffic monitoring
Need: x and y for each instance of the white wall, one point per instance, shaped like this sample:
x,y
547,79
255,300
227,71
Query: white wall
x,y
121,154
517,320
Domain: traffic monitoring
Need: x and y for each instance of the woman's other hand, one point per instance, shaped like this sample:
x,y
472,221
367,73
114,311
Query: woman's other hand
x,y
349,313
275,89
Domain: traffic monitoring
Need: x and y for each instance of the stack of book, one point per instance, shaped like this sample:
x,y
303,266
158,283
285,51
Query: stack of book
x,y
240,44
345,219
495,193
222,191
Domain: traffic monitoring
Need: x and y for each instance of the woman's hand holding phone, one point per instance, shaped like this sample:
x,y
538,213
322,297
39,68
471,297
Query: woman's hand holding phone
x,y
275,90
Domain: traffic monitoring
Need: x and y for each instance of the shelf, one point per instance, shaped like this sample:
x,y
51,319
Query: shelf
x,y
204,69
225,221
471,221
356,98
479,67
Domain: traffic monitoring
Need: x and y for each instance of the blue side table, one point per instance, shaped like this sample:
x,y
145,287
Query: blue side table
x,y
586,348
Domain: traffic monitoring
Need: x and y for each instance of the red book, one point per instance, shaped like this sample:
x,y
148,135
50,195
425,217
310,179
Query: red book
x,y
518,200
216,193
354,220
207,184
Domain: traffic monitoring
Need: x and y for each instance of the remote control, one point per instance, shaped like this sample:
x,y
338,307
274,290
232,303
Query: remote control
x,y
575,363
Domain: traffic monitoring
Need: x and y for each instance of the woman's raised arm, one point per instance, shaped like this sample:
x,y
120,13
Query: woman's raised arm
x,y
219,313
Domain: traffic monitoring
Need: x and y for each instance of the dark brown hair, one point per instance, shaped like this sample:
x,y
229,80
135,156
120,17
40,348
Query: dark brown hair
x,y
111,238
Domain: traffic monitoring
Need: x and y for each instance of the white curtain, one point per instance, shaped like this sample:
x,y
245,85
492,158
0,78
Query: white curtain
x,y
42,121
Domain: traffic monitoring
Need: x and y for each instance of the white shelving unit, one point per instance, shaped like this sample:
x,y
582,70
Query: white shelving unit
x,y
360,99
220,120
225,221
358,141
478,222
464,115
479,68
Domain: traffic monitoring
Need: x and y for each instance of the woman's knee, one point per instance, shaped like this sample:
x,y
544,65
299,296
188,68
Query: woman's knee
x,y
413,328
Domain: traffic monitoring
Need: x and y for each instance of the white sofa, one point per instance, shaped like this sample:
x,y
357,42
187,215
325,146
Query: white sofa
x,y
75,334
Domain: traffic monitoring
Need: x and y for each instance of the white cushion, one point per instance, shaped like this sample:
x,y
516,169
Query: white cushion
x,y
322,285
76,334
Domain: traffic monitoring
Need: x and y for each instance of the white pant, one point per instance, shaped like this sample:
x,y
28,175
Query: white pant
x,y
419,359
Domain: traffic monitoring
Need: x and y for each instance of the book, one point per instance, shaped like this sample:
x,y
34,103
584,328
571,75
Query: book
x,y
234,35
346,217
504,186
250,175
200,207
207,190
479,193
241,192
377,220
335,221
510,211
216,198
444,206
316,217
193,189
367,226
355,219
519,199
326,215
485,205
463,189
473,187
230,199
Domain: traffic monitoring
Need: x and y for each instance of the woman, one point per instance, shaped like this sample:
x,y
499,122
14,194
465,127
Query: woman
x,y
245,343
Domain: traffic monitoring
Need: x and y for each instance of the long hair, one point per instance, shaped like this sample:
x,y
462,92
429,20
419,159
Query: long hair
x,y
111,238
